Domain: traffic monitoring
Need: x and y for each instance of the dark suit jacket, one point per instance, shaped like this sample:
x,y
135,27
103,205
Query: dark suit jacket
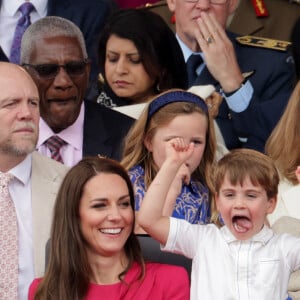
x,y
104,130
273,81
88,15
278,25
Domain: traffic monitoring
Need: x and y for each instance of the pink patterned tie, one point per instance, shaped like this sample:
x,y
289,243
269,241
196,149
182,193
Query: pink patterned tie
x,y
8,242
24,21
54,143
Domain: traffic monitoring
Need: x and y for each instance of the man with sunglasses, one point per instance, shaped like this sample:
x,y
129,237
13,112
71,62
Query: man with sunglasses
x,y
53,52
255,81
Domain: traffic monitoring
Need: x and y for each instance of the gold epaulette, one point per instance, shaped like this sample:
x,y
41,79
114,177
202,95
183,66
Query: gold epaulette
x,y
261,42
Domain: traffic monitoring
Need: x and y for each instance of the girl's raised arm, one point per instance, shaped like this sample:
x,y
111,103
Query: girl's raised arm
x,y
150,216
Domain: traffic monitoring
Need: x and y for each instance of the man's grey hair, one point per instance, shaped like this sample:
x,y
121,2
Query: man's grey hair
x,y
49,27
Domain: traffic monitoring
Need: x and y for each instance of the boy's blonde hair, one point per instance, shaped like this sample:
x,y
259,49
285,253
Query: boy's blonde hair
x,y
240,164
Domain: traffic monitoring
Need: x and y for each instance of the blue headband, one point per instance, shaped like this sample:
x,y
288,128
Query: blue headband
x,y
175,96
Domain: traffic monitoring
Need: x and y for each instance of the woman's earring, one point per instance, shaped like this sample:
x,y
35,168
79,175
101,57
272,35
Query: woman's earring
x,y
101,78
158,87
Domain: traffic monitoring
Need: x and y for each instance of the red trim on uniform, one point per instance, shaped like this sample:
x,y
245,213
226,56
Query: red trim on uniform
x,y
260,8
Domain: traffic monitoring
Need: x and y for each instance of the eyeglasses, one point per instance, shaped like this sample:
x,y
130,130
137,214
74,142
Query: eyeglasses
x,y
49,71
218,2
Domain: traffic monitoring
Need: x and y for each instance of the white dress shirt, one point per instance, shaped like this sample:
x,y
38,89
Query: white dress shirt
x,y
225,268
9,16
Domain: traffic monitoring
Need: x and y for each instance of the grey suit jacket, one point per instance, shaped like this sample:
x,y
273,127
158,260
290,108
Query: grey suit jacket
x,y
46,177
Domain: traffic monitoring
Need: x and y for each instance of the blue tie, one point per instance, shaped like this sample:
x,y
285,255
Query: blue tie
x,y
194,61
24,21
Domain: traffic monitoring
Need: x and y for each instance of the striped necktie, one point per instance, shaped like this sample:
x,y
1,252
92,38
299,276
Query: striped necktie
x,y
54,143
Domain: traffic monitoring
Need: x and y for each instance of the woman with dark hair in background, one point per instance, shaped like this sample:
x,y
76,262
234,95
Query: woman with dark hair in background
x,y
138,57
94,253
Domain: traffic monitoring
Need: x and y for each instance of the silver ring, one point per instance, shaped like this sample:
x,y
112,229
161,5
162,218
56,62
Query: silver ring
x,y
209,40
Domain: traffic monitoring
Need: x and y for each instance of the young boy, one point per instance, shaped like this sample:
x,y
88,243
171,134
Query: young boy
x,y
243,259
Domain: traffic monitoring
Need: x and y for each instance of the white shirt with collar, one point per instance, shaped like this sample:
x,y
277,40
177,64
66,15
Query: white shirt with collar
x,y
225,268
20,191
9,16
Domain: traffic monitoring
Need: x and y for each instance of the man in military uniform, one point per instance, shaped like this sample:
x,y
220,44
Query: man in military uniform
x,y
247,18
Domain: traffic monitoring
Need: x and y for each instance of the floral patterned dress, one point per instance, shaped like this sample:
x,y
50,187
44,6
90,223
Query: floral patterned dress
x,y
192,204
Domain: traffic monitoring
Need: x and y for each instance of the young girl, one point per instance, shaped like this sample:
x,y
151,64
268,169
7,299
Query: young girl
x,y
244,259
175,113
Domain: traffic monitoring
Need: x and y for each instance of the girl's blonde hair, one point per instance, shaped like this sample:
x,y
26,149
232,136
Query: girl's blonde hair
x,y
135,152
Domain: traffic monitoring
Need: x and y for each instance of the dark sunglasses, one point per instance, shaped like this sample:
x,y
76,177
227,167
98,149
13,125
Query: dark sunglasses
x,y
49,71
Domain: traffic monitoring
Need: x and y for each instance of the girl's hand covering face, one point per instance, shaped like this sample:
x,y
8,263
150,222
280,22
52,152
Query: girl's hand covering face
x,y
178,150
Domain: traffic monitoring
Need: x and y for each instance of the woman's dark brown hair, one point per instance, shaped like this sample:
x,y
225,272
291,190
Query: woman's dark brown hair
x,y
156,43
68,272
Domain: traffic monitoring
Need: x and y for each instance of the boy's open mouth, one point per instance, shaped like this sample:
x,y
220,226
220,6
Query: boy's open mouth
x,y
241,223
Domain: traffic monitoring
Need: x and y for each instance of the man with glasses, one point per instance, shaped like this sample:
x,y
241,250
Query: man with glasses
x,y
54,54
255,82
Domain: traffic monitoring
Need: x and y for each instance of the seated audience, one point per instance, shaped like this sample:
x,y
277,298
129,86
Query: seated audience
x,y
283,147
139,57
26,201
54,54
175,113
93,251
251,260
